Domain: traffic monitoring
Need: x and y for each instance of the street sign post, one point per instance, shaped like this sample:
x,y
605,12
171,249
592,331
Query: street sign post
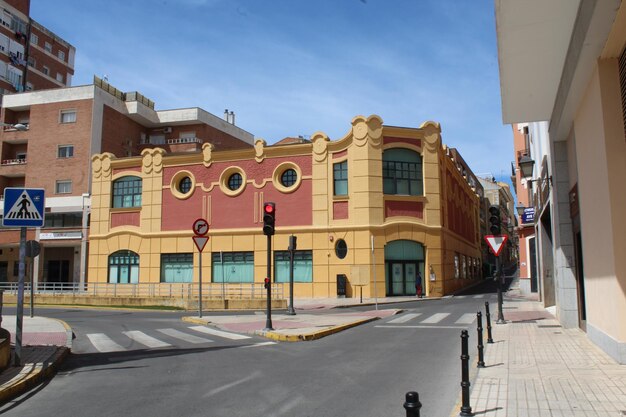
x,y
33,249
200,228
496,243
23,207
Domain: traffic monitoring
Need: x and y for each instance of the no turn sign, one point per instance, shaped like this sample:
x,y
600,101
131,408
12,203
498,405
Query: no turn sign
x,y
200,227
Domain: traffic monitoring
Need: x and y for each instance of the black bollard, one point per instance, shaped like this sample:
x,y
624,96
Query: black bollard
x,y
466,410
488,316
412,404
479,330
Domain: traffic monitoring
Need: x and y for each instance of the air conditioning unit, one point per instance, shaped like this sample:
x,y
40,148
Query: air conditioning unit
x,y
167,130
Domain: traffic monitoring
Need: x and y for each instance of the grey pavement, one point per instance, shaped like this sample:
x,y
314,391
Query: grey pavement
x,y
534,367
537,368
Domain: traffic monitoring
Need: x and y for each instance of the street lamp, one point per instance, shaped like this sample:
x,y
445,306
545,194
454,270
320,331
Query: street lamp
x,y
526,165
17,126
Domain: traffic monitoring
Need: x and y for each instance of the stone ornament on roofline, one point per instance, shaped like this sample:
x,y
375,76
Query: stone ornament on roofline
x,y
207,148
152,160
432,134
367,128
320,146
101,165
259,150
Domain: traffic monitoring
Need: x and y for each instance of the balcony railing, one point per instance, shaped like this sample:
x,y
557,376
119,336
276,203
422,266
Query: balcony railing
x,y
11,127
13,162
183,140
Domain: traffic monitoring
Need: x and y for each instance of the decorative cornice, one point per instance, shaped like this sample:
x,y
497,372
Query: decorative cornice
x,y
152,160
432,135
367,129
320,146
207,150
101,165
259,150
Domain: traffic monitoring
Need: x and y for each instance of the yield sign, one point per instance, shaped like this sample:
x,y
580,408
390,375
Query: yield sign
x,y
496,243
200,242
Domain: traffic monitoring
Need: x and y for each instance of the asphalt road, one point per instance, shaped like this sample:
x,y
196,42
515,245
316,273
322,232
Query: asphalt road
x,y
364,371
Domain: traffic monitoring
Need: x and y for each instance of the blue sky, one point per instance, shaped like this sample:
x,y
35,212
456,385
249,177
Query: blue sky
x,y
294,67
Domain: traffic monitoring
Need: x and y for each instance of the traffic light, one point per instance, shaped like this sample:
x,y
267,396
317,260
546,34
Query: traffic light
x,y
269,218
266,283
494,220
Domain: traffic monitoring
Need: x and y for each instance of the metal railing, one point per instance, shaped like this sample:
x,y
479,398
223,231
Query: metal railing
x,y
183,140
13,161
211,290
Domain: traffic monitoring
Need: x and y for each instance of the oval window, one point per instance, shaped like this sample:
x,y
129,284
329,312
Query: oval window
x,y
184,185
341,249
289,177
234,181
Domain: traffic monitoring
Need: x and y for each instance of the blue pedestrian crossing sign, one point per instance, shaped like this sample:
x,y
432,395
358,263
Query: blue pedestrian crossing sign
x,y
23,207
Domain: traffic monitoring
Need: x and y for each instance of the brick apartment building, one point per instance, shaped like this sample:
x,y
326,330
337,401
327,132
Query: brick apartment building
x,y
46,61
65,127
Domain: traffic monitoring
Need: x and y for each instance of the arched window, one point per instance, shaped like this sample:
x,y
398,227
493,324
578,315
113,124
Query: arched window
x,y
402,172
127,192
124,267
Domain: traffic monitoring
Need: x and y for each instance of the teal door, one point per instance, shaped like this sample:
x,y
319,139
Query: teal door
x,y
403,260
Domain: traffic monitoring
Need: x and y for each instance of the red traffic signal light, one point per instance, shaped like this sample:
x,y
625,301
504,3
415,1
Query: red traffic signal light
x,y
266,283
269,218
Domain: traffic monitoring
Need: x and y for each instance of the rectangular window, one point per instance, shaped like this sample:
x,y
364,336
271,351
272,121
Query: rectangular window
x,y
34,39
66,151
32,61
404,178
47,46
63,187
59,77
127,192
457,272
176,267
60,220
21,156
29,86
61,55
45,70
302,266
340,178
68,116
233,267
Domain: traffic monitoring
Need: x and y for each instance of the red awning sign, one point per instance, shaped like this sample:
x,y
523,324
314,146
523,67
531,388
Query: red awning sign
x,y
496,243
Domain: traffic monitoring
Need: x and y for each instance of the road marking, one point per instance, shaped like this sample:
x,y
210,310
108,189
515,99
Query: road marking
x,y
405,318
460,296
232,384
479,296
144,339
467,318
421,327
103,343
215,332
435,318
256,345
184,336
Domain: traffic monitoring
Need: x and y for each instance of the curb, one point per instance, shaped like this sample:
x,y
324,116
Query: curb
x,y
381,303
38,373
195,320
68,331
313,335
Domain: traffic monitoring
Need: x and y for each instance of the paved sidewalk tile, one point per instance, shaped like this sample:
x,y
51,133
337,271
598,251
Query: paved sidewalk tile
x,y
537,368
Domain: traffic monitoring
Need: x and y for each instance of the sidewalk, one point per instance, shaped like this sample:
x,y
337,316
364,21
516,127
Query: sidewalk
x,y
45,343
537,368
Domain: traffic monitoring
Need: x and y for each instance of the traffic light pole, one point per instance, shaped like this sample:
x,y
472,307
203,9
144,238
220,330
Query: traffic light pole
x,y
268,319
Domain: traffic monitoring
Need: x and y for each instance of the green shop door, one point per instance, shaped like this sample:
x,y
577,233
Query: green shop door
x,y
404,259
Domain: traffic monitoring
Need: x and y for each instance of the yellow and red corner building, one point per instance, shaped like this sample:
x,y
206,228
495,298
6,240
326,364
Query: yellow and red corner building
x,y
379,210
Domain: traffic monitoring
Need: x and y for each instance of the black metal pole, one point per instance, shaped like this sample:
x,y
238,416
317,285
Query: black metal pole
x,y
412,404
479,331
466,410
488,316
500,301
268,320
290,310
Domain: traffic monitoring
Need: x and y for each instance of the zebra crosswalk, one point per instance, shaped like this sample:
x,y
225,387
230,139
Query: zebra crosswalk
x,y
440,319
161,338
